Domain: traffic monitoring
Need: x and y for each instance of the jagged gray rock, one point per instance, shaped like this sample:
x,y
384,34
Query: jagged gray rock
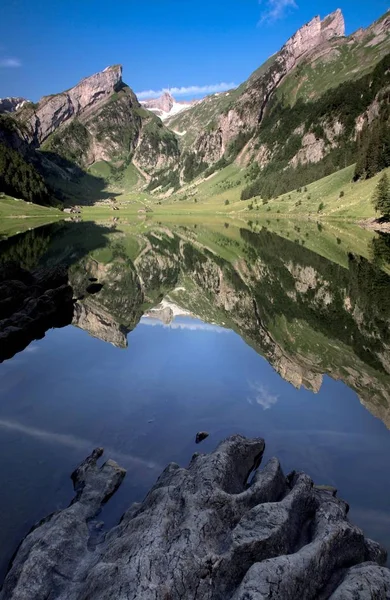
x,y
202,532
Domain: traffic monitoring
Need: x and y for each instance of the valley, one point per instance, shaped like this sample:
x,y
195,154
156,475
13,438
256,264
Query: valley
x,y
302,121
201,264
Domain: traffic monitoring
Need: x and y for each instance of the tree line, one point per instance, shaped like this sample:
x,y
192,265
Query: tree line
x,y
20,179
344,103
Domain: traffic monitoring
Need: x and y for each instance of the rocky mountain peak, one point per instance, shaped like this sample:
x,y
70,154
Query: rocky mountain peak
x,y
164,103
11,104
313,34
165,106
52,111
333,25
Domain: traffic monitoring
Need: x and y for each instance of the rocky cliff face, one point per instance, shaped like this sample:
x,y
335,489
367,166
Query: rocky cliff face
x,y
9,105
164,103
53,111
92,318
248,111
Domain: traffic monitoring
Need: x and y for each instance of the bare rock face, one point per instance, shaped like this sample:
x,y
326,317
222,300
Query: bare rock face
x,y
249,111
202,532
53,111
312,151
11,104
164,103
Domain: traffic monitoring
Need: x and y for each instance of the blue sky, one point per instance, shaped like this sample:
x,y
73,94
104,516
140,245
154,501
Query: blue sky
x,y
47,46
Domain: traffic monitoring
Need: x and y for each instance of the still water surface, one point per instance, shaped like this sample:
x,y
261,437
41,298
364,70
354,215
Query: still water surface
x,y
218,328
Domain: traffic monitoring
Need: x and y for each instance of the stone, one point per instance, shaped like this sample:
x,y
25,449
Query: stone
x,y
222,529
200,436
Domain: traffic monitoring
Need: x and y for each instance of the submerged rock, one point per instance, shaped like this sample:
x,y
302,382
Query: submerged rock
x,y
202,532
31,303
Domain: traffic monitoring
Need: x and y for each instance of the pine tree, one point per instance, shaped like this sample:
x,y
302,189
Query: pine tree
x,y
381,197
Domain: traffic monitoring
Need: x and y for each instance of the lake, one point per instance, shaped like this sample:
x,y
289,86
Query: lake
x,y
272,329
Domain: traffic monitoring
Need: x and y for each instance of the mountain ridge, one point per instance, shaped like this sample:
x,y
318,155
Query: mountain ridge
x,y
99,123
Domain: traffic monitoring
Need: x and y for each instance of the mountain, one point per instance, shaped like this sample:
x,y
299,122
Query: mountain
x,y
11,104
299,116
97,122
166,106
320,104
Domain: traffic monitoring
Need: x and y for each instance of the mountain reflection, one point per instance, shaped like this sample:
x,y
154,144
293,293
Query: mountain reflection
x,y
306,314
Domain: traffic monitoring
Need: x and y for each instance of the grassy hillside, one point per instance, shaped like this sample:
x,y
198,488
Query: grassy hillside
x,y
341,197
17,215
334,196
201,116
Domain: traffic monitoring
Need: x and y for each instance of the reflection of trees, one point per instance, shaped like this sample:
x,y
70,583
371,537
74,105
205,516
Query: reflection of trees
x,y
58,243
365,284
25,249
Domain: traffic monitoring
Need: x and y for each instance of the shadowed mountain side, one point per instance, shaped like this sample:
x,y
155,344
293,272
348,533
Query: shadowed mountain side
x,y
35,293
53,178
70,183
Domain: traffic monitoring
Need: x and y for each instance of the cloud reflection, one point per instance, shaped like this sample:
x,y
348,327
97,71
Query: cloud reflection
x,y
261,395
76,443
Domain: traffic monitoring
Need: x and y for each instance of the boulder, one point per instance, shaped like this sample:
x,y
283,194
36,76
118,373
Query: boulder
x,y
218,530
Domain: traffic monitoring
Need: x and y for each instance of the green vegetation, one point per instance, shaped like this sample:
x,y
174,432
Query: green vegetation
x,y
354,204
17,215
158,138
20,178
193,166
381,198
374,144
165,179
71,143
344,104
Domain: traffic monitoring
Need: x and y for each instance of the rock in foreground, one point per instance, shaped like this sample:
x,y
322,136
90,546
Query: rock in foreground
x,y
202,533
